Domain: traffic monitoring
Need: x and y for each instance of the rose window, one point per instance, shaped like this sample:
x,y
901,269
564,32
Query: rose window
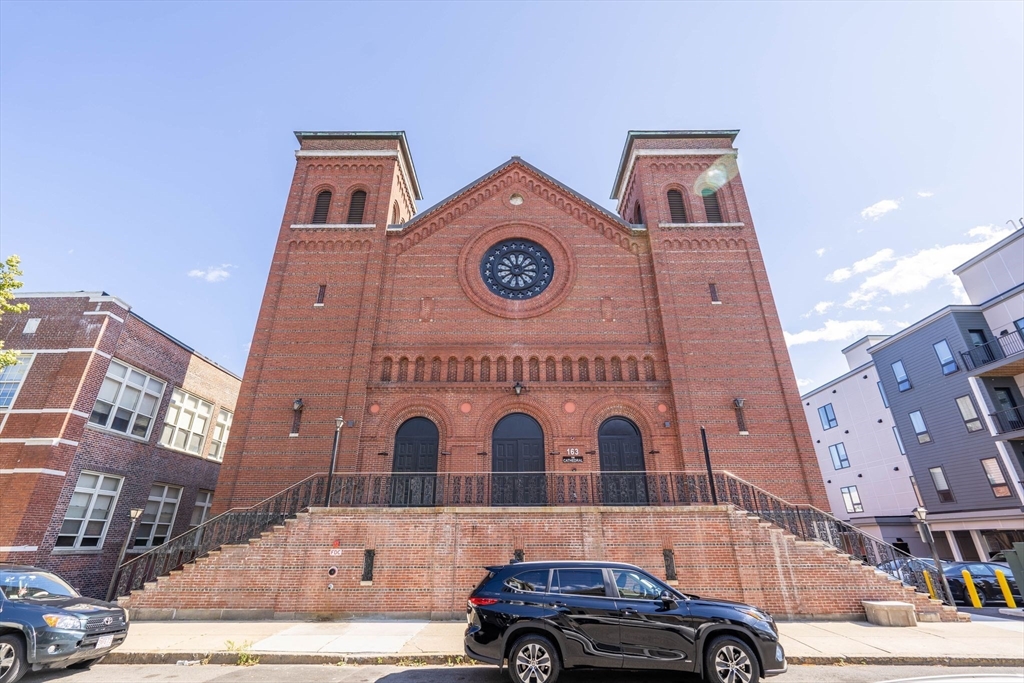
x,y
517,269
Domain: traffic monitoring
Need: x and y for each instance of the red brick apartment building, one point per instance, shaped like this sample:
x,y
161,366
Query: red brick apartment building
x,y
515,370
517,325
104,413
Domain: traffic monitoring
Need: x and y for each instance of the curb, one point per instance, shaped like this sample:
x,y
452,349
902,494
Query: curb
x,y
453,659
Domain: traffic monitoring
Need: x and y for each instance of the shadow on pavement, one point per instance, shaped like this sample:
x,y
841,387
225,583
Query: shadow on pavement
x,y
477,675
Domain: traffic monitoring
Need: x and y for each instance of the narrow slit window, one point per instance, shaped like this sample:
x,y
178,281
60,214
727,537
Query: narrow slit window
x,y
902,380
741,420
917,491
356,208
322,208
969,414
676,208
899,440
881,390
638,216
995,478
941,485
320,294
713,288
711,207
946,359
919,427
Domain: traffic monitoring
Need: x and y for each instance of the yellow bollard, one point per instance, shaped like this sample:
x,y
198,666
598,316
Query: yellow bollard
x,y
928,582
970,589
1005,587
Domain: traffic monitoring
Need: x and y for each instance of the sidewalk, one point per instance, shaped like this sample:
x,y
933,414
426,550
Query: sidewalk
x,y
982,642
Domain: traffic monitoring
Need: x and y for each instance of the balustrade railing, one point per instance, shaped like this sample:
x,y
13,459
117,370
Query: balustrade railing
x,y
1005,346
489,489
1009,420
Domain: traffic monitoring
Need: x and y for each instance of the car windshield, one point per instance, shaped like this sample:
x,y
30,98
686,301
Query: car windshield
x,y
34,585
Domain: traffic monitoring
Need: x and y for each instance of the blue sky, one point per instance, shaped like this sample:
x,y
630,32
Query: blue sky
x,y
146,148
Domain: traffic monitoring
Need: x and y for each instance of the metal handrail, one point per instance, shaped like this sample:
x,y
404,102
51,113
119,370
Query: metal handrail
x,y
1009,420
1003,346
500,489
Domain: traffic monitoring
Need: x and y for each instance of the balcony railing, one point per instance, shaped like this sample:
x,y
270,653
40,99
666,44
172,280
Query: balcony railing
x,y
1009,420
1007,345
467,489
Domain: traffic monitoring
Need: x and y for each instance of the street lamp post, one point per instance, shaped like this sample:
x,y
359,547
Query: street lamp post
x,y
339,422
134,513
926,534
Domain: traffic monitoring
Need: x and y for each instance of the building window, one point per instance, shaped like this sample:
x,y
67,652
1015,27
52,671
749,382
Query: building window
x,y
919,427
917,491
711,208
946,359
323,206
839,459
157,519
395,214
186,422
11,378
676,208
941,485
969,414
321,292
31,325
902,381
127,401
1019,324
851,499
204,501
356,208
88,515
881,390
899,440
638,216
222,429
828,416
713,288
995,478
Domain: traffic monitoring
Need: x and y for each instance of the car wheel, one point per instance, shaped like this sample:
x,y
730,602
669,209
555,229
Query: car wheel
x,y
533,659
730,660
12,658
86,663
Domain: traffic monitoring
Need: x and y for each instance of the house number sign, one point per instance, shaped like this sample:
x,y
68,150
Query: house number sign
x,y
572,455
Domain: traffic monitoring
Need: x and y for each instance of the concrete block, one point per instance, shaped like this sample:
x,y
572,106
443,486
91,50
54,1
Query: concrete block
x,y
890,613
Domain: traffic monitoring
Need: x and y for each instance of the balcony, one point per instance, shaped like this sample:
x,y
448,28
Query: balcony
x,y
1003,356
1009,424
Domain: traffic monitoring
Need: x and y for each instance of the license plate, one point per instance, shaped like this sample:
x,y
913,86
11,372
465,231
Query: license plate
x,y
104,641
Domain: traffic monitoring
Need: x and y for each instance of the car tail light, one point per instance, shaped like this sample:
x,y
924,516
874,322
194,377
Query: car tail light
x,y
482,602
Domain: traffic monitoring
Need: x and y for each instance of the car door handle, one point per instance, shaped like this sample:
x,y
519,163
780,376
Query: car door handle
x,y
560,606
629,611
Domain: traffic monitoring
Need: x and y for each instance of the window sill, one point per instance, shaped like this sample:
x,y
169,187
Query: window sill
x,y
744,433
318,305
293,434
172,449
114,432
366,583
716,303
77,551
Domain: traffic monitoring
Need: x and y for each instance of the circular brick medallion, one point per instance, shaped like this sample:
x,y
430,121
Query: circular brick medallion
x,y
466,407
569,407
375,409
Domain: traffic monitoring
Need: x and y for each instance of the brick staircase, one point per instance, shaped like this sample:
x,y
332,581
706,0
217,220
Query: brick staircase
x,y
427,560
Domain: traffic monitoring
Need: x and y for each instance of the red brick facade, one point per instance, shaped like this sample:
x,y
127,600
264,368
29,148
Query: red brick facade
x,y
627,326
46,440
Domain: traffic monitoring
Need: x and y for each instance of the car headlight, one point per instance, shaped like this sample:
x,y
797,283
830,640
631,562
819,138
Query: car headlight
x,y
756,615
64,621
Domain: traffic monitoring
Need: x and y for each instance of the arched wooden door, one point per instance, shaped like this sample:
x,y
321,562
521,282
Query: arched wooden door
x,y
414,473
623,473
517,462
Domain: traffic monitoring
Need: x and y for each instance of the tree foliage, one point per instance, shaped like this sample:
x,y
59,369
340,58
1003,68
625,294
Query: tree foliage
x,y
9,273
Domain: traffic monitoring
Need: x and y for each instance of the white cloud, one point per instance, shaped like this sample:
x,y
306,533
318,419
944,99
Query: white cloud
x,y
819,308
834,330
884,309
213,273
924,194
879,209
915,272
864,265
804,382
820,252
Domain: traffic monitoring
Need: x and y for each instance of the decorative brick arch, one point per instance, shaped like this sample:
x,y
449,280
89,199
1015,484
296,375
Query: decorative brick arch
x,y
616,406
519,404
417,406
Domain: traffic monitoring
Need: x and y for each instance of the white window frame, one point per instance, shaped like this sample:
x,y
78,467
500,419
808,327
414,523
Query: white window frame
x,y
5,374
161,501
93,493
145,391
851,499
203,507
173,416
222,429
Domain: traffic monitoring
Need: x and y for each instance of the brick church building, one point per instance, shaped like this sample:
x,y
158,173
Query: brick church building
x,y
515,371
518,326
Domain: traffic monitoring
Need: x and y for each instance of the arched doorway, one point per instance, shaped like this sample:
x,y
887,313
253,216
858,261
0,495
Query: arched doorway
x,y
517,462
414,473
623,473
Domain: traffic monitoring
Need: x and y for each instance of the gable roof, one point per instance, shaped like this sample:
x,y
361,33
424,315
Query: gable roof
x,y
498,170
634,135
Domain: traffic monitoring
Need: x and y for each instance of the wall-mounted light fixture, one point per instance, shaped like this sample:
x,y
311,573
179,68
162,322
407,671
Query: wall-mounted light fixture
x,y
446,452
298,405
738,402
518,388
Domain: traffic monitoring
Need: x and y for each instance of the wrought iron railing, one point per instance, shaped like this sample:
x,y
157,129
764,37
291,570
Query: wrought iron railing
x,y
1009,420
234,526
1005,346
463,489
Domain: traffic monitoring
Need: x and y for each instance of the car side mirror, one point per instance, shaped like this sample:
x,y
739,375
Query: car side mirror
x,y
668,600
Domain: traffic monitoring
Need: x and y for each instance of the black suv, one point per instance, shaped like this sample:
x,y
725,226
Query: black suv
x,y
45,623
543,616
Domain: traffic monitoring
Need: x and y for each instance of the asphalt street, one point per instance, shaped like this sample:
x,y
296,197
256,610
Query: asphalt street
x,y
479,674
